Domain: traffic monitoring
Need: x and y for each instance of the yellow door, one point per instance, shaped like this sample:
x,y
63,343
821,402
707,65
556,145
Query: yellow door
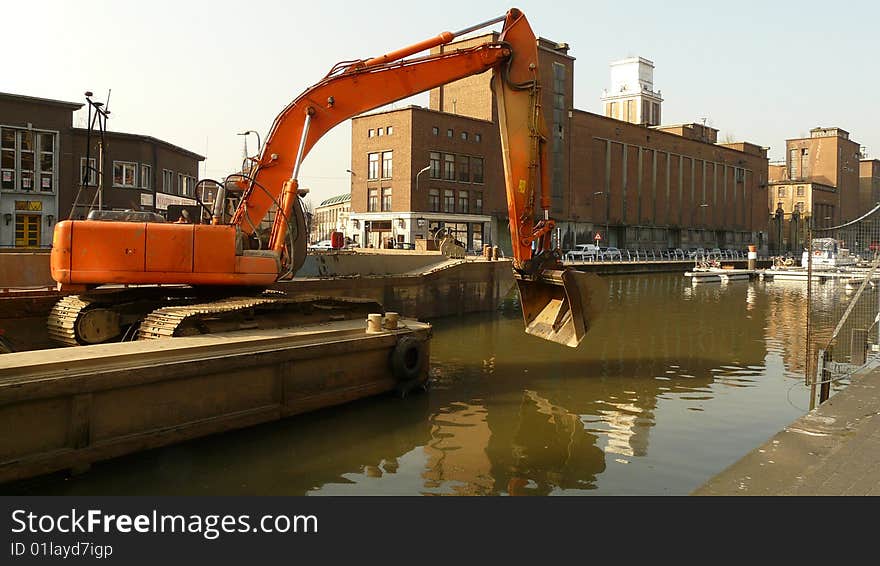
x,y
27,230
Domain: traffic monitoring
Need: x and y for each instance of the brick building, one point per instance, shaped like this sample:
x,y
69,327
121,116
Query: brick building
x,y
636,186
869,183
415,170
819,185
43,166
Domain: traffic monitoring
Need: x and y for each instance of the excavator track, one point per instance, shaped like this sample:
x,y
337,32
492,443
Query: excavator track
x,y
63,319
79,320
272,310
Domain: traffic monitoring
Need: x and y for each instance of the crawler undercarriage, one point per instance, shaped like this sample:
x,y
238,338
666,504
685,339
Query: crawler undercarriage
x,y
147,313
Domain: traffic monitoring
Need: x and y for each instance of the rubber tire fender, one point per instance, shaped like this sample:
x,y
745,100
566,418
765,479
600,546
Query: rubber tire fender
x,y
408,358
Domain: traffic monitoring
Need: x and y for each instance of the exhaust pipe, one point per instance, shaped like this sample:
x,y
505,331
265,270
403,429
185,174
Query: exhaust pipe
x,y
560,305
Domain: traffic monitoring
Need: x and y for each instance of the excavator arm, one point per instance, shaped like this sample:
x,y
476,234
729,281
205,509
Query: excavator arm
x,y
557,304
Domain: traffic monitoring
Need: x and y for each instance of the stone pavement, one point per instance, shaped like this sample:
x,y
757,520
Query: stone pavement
x,y
832,450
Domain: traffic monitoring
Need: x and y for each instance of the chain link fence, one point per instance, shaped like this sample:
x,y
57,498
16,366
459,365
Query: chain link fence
x,y
843,273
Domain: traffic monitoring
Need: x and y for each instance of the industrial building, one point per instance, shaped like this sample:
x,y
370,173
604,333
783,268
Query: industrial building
x,y
621,178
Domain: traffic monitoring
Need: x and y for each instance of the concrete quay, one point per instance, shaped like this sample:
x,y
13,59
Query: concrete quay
x,y
832,450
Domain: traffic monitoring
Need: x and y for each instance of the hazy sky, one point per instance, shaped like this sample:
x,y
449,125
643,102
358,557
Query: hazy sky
x,y
196,73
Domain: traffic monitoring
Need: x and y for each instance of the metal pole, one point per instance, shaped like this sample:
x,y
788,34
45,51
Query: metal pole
x,y
808,374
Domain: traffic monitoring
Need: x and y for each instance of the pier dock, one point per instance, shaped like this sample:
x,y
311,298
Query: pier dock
x,y
832,450
69,407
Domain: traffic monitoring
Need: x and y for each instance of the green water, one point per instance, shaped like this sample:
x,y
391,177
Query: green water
x,y
674,383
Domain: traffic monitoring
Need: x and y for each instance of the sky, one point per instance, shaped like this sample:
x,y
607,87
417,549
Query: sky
x,y
196,73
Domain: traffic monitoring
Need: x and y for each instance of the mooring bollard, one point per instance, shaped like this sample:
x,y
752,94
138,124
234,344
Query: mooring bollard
x,y
495,252
391,319
374,323
753,257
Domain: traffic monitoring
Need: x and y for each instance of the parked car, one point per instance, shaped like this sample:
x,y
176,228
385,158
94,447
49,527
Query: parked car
x,y
610,253
582,252
322,245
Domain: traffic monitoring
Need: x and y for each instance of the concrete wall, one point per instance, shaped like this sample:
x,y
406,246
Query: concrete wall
x,y
25,269
452,289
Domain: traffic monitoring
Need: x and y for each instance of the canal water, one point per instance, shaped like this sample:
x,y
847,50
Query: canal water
x,y
674,383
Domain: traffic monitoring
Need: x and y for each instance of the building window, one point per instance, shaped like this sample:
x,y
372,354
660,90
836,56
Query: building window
x,y
186,185
449,167
463,202
801,191
477,169
463,170
629,110
449,133
373,200
464,136
435,164
792,163
799,207
7,159
371,133
386,165
478,236
88,173
389,130
380,132
146,176
47,162
478,203
781,192
435,130
27,160
386,199
373,166
167,181
125,174
434,200
448,201
478,138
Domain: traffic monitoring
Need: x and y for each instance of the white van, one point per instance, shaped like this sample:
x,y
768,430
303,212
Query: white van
x,y
582,252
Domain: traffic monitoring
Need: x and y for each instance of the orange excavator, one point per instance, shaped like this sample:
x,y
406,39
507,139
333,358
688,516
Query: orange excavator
x,y
133,276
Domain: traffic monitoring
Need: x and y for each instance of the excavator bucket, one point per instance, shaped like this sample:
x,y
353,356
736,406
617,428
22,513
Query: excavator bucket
x,y
560,305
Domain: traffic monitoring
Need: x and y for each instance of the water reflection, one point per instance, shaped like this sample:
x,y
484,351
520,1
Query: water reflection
x,y
674,382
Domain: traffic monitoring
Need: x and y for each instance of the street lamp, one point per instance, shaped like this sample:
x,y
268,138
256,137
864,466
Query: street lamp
x,y
422,170
246,156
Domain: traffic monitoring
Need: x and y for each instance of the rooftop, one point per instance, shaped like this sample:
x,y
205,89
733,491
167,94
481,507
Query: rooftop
x,y
36,100
145,138
338,199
